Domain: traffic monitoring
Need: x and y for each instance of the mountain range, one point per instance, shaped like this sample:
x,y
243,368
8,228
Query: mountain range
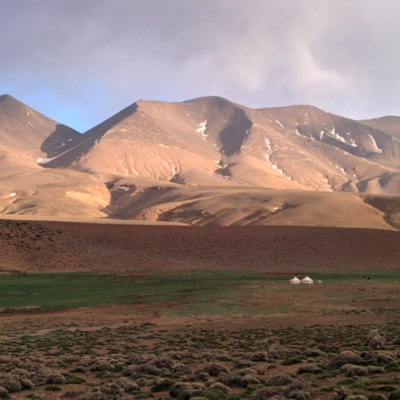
x,y
202,162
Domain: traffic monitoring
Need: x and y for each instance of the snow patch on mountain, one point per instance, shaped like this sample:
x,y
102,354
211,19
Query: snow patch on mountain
x,y
336,136
377,149
202,128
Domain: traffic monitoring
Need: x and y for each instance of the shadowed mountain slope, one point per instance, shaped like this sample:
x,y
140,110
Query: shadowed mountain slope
x,y
203,161
25,135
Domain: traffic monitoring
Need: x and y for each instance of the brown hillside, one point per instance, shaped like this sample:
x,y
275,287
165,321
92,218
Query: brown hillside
x,y
60,246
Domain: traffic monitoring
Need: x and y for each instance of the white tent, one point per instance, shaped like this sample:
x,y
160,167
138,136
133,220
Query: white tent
x,y
307,280
295,281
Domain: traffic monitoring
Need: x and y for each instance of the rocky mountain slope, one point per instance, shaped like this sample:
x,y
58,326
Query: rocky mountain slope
x,y
211,141
203,161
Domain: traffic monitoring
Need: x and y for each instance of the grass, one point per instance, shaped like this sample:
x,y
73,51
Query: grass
x,y
199,292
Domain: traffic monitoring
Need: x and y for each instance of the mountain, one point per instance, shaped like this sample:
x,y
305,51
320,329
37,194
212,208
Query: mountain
x,y
211,141
26,136
203,161
389,124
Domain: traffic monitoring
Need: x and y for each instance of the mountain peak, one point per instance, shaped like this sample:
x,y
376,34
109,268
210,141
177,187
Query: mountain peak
x,y
11,102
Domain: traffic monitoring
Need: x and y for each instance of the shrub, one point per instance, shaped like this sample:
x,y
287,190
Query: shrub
x,y
220,386
353,370
263,394
128,385
234,396
35,396
375,370
56,379
178,388
280,380
213,394
213,369
3,393
162,386
53,388
291,361
76,380
345,357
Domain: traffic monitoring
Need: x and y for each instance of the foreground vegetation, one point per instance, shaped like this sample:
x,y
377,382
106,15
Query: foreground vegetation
x,y
314,341
144,361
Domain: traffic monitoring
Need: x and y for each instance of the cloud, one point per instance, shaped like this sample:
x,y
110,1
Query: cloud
x,y
340,56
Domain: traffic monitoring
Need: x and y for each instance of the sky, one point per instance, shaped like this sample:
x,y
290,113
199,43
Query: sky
x,y
80,62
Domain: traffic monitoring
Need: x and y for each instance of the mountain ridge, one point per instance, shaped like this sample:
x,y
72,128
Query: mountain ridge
x,y
190,162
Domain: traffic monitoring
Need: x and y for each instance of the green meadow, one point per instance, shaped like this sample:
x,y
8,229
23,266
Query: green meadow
x,y
200,292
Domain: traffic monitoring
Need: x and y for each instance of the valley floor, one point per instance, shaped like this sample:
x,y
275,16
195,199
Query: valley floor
x,y
217,335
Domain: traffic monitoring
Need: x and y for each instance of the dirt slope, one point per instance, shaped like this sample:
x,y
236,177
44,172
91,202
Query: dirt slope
x,y
244,206
61,246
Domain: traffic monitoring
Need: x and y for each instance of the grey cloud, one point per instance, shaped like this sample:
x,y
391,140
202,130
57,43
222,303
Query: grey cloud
x,y
341,56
